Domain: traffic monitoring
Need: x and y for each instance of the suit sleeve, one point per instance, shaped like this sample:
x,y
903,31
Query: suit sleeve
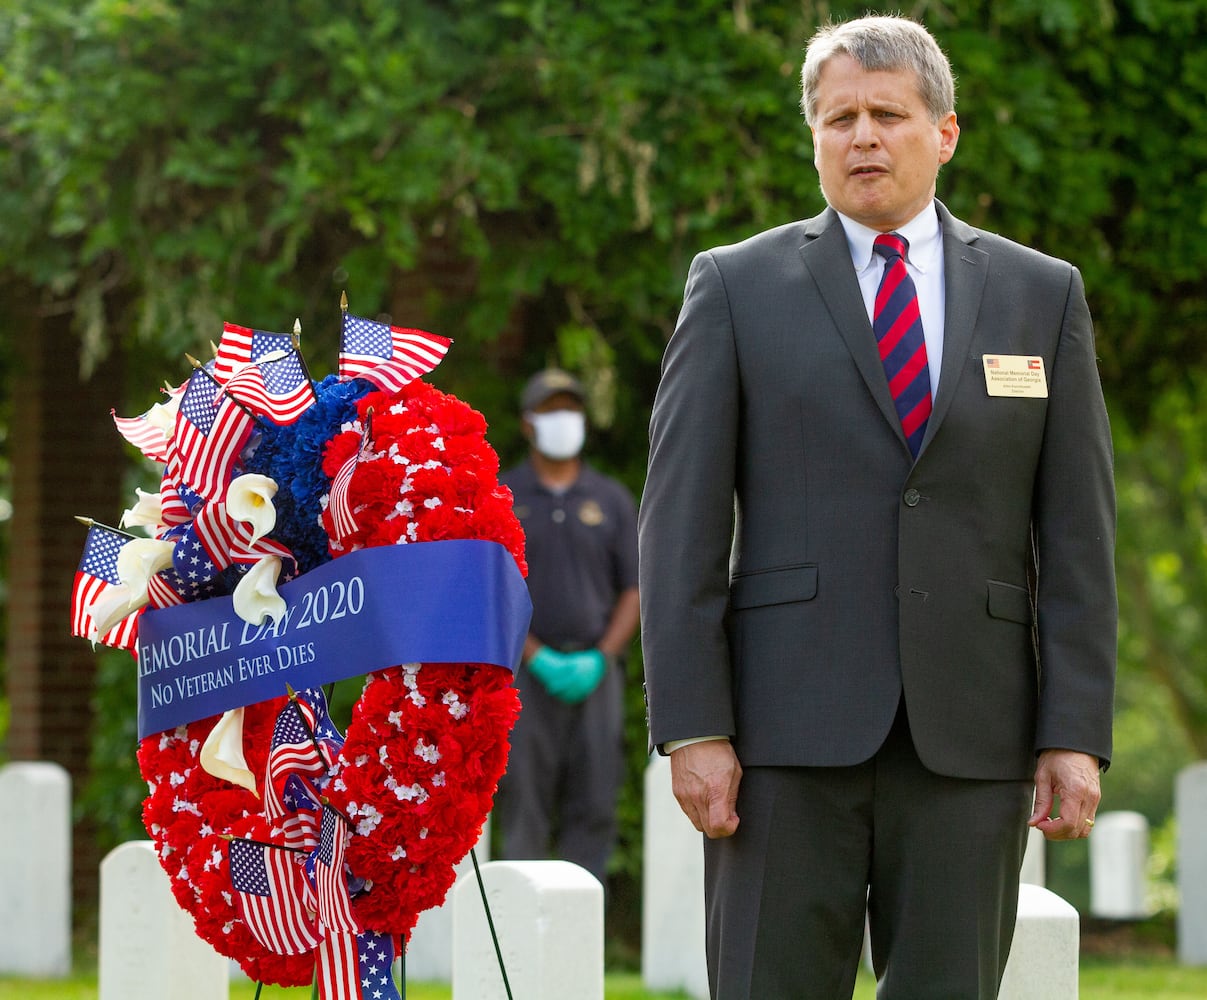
x,y
1074,523
685,525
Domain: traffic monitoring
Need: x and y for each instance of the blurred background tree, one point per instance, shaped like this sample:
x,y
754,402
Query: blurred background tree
x,y
532,178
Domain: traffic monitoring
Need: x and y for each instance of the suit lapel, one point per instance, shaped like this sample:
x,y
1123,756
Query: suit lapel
x,y
828,260
965,269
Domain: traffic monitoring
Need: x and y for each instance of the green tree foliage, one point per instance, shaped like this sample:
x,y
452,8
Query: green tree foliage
x,y
1162,561
167,164
532,177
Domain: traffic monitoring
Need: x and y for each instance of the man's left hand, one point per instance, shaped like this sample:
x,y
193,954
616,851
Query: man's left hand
x,y
1073,777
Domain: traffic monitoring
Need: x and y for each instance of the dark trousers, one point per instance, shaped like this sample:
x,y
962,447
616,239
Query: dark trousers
x,y
558,797
933,861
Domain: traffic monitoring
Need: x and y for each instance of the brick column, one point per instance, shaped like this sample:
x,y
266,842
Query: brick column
x,y
67,460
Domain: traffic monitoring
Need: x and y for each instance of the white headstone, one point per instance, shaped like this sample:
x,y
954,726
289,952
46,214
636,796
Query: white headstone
x,y
672,903
35,870
1043,962
148,947
1034,869
1119,866
1190,805
548,916
430,948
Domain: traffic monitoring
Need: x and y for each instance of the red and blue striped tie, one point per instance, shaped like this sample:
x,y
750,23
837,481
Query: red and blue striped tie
x,y
897,324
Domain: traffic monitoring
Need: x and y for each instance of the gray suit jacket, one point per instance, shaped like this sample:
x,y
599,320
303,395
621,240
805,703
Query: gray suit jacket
x,y
799,569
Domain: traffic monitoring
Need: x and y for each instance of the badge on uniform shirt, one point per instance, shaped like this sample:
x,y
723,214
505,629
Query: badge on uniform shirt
x,y
1015,375
590,513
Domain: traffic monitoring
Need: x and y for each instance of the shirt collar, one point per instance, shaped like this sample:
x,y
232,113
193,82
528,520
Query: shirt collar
x,y
922,232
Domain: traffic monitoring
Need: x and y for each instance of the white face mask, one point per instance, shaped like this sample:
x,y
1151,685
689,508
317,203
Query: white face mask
x,y
560,434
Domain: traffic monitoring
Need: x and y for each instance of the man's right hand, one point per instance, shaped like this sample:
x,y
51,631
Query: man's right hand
x,y
705,777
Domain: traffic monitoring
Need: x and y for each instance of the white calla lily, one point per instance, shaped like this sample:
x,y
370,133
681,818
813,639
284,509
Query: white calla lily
x,y
163,416
222,752
255,597
111,607
139,560
147,512
249,498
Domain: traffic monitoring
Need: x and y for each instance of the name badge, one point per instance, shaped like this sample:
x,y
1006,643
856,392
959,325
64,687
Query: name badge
x,y
1015,375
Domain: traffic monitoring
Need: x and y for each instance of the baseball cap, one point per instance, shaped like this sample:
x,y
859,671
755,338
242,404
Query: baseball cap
x,y
548,383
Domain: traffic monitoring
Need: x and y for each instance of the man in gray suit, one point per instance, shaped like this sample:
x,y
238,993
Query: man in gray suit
x,y
878,598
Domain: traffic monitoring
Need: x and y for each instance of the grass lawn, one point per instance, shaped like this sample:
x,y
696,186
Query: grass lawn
x,y
1132,978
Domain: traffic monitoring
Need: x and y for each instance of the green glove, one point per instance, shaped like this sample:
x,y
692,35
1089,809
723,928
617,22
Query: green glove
x,y
569,677
548,666
584,672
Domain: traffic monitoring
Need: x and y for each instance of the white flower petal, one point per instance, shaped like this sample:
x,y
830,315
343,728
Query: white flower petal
x,y
142,558
222,752
255,597
163,416
111,607
138,561
147,512
249,498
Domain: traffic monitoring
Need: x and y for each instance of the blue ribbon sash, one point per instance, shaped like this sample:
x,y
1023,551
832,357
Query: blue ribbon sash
x,y
456,601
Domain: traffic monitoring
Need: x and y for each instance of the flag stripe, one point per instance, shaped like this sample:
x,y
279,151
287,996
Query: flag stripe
x,y
343,520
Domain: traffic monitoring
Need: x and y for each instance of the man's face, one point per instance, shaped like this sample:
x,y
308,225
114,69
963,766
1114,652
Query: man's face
x,y
876,150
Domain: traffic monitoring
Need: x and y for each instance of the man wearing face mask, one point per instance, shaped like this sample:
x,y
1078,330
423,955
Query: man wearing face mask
x,y
558,797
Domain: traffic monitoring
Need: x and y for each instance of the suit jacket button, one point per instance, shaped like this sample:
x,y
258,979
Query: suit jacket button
x,y
912,497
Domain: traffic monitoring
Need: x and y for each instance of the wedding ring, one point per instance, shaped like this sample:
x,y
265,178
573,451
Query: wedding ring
x,y
1089,822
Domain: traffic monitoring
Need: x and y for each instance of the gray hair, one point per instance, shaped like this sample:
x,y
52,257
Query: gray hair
x,y
881,43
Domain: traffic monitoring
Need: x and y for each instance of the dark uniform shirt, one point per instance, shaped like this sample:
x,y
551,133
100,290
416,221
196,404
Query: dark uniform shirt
x,y
581,546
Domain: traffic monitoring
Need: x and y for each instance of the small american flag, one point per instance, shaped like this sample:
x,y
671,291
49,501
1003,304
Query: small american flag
x,y
271,890
331,887
144,435
210,431
342,517
304,746
272,380
387,356
356,967
147,436
96,574
298,825
233,352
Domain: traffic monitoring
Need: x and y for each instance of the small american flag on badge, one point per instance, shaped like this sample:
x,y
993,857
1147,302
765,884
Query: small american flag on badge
x,y
993,362
1035,363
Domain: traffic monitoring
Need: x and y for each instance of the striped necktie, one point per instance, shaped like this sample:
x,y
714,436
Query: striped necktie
x,y
897,324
